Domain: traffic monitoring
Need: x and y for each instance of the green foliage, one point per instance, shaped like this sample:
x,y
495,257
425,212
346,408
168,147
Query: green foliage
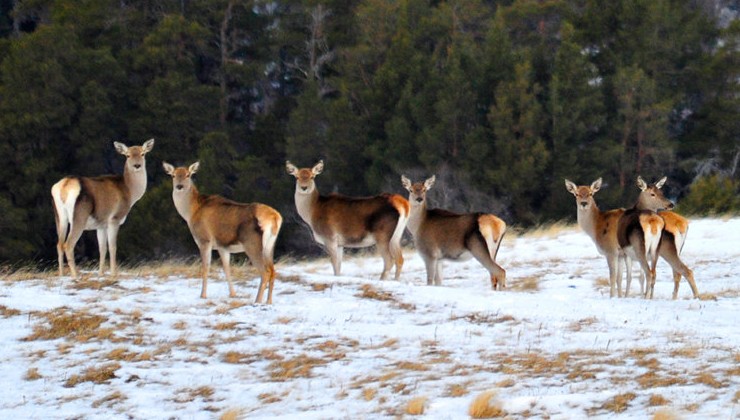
x,y
712,195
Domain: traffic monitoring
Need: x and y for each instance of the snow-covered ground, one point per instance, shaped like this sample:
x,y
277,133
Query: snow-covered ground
x,y
552,345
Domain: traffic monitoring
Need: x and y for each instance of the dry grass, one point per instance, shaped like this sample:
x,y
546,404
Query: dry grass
x,y
665,414
110,400
486,406
187,395
368,291
416,406
96,375
655,380
482,318
93,284
457,390
6,312
320,287
297,367
549,230
585,322
419,367
32,374
63,322
708,379
657,400
368,394
232,414
619,402
690,352
525,284
11,274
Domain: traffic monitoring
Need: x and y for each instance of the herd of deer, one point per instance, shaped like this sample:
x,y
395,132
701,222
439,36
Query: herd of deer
x,y
337,221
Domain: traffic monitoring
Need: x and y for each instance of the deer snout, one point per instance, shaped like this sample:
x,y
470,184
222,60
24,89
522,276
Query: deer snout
x,y
670,205
137,165
419,199
304,188
180,186
584,204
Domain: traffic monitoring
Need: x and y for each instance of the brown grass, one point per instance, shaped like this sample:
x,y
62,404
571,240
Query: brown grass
x,y
297,367
320,287
191,394
267,398
8,312
483,318
416,406
10,274
457,390
656,400
665,414
369,393
412,366
486,406
707,378
525,284
63,322
619,402
690,352
585,322
96,375
93,284
32,374
654,380
232,414
549,230
110,399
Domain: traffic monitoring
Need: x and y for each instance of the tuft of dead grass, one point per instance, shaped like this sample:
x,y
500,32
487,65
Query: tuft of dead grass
x,y
416,406
32,374
110,400
11,274
654,380
369,393
585,322
320,287
666,414
368,291
486,406
297,367
63,322
549,230
656,400
708,379
707,296
526,284
232,414
93,284
457,390
619,403
187,395
419,367
6,312
98,375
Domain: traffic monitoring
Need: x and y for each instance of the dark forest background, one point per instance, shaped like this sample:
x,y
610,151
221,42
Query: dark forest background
x,y
500,99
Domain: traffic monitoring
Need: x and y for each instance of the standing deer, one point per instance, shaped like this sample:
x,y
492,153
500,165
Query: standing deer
x,y
339,221
601,226
674,234
443,235
227,226
101,203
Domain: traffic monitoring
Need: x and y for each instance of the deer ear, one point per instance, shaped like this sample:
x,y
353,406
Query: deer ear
x,y
147,146
429,182
596,185
660,183
290,168
168,168
406,182
641,184
194,168
318,168
571,187
121,148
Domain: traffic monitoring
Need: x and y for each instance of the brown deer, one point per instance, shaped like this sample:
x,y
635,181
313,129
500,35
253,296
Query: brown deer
x,y
674,233
443,235
601,226
100,203
227,226
339,221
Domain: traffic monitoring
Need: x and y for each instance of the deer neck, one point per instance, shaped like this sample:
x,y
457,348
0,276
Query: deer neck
x,y
305,203
588,220
416,217
187,203
135,182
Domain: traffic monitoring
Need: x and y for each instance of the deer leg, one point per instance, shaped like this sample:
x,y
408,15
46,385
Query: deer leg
x,y
387,258
613,262
628,272
481,252
62,226
205,258
225,257
102,248
431,266
335,254
438,273
69,246
113,247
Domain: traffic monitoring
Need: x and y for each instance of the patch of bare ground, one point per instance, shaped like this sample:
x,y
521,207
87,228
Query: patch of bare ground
x,y
99,375
300,366
64,322
368,291
110,400
486,406
416,406
6,312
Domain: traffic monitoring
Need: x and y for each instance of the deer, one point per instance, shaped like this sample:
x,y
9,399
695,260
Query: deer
x,y
444,235
674,233
601,227
228,227
99,203
339,221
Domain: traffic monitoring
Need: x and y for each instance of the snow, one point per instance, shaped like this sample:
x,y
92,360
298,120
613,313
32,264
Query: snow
x,y
553,344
